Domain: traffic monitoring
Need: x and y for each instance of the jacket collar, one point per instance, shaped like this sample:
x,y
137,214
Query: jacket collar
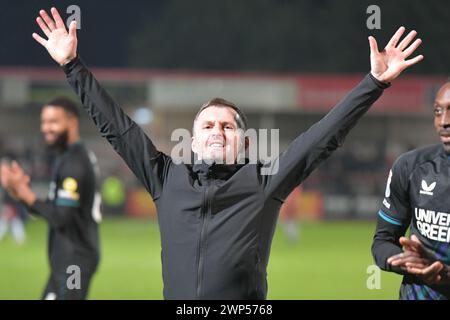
x,y
215,171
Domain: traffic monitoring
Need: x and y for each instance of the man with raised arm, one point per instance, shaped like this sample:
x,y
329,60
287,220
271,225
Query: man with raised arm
x,y
217,217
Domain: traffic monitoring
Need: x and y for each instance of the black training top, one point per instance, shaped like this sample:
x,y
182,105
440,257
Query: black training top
x,y
72,211
417,196
217,221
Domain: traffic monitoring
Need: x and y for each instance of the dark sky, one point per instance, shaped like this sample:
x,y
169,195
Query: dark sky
x,y
267,35
113,21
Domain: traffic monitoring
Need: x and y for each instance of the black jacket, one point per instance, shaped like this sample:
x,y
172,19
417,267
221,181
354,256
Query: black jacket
x,y
416,197
217,221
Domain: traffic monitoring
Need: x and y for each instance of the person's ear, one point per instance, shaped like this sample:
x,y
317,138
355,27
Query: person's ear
x,y
246,142
73,121
194,144
69,122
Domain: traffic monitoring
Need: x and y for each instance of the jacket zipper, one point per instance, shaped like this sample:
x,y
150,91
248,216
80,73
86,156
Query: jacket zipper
x,y
203,238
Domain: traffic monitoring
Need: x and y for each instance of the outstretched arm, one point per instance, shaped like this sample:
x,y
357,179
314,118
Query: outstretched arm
x,y
316,144
131,143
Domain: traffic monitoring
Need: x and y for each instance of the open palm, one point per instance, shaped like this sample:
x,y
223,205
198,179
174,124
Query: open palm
x,y
389,63
61,45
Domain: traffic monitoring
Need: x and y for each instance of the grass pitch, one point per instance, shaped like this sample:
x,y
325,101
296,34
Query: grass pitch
x,y
329,261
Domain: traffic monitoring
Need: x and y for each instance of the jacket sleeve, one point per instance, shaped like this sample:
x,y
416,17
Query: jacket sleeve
x,y
318,142
127,138
58,216
394,217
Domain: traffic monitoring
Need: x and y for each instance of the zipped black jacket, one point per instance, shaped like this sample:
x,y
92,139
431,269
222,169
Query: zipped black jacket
x,y
217,221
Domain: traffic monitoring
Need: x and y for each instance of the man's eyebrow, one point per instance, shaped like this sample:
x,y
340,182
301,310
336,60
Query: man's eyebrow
x,y
439,104
228,122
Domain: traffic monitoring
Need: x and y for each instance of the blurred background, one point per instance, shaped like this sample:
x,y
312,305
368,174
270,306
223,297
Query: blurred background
x,y
286,63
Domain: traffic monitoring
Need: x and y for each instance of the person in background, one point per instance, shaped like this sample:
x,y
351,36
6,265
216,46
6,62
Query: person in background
x,y
72,209
417,197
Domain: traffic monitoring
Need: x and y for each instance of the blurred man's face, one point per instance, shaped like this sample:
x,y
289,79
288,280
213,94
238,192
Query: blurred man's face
x,y
442,115
55,126
216,135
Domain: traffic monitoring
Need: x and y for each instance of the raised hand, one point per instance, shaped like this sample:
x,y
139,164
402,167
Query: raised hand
x,y
61,45
389,63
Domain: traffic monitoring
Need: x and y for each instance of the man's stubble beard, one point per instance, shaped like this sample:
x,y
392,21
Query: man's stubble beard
x,y
61,142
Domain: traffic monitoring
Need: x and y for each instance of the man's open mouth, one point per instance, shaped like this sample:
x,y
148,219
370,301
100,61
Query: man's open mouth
x,y
216,145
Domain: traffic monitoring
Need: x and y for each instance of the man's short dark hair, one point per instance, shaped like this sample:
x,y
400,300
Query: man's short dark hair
x,y
241,119
65,103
